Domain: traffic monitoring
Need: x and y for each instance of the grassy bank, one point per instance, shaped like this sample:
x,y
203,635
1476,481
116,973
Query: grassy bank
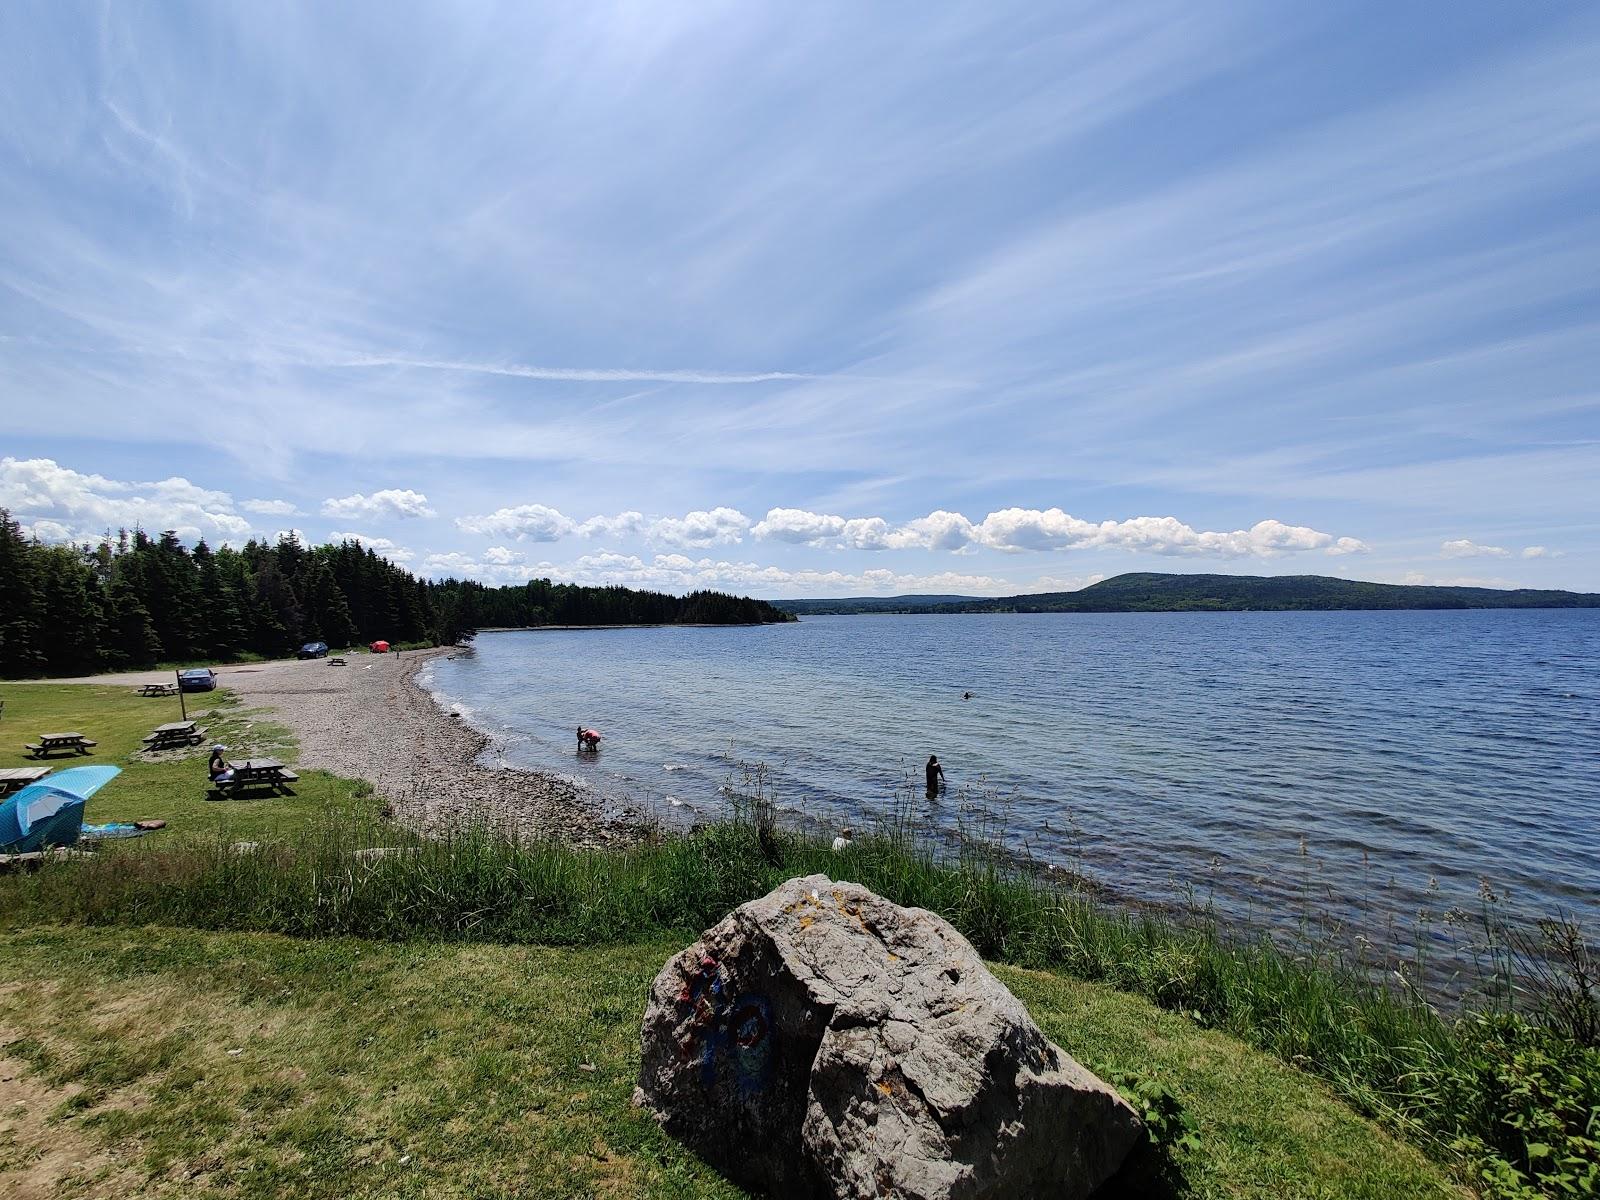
x,y
1500,1100
255,1065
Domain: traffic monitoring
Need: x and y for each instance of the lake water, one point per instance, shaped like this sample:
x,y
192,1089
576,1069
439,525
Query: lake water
x,y
1370,763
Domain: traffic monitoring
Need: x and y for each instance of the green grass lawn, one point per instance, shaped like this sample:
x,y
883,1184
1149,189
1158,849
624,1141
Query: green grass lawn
x,y
157,1059
167,787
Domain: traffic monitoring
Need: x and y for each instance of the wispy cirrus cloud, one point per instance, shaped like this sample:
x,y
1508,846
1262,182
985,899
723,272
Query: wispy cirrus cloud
x,y
1467,548
270,508
574,374
1050,259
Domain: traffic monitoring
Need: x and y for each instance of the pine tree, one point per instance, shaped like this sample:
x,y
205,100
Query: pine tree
x,y
21,602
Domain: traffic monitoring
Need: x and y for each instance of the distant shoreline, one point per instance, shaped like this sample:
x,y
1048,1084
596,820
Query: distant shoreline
x,y
1153,592
636,625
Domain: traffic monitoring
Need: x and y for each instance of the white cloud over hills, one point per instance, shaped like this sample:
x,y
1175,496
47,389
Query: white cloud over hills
x,y
1467,548
802,550
1014,530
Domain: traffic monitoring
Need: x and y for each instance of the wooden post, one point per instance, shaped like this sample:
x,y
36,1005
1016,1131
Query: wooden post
x,y
183,708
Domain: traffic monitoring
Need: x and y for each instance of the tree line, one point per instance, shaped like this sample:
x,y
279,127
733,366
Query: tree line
x,y
133,601
540,602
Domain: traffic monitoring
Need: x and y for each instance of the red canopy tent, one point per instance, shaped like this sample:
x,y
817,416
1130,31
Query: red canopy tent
x,y
380,647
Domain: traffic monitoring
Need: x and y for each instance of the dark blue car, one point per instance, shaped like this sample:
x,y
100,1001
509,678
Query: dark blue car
x,y
314,650
201,679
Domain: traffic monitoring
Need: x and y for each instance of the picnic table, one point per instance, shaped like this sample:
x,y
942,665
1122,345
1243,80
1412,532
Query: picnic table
x,y
49,743
14,779
173,734
158,689
259,772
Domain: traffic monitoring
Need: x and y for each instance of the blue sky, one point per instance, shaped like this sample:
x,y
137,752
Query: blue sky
x,y
827,299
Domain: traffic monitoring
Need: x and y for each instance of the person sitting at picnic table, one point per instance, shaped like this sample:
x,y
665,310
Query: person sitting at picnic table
x,y
219,768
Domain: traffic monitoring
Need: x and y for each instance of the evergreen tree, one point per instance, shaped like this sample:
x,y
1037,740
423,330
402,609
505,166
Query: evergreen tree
x,y
21,602
133,601
173,597
276,618
132,641
70,639
327,611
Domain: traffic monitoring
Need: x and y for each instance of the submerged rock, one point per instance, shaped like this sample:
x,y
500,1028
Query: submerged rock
x,y
822,1041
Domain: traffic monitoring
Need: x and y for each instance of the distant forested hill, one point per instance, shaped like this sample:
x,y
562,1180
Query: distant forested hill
x,y
871,604
1151,592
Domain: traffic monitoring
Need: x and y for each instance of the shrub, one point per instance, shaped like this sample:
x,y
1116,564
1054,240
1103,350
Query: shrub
x,y
1526,1104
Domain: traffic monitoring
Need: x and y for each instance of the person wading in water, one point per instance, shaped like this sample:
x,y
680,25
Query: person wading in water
x,y
935,775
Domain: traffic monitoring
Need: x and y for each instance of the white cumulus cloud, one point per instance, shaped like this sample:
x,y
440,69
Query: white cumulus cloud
x,y
624,524
541,523
64,503
1017,530
524,522
713,527
390,502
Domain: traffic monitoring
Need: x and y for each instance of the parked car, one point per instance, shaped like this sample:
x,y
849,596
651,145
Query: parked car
x,y
201,679
314,650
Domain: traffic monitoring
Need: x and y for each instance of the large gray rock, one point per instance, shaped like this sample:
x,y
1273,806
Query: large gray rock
x,y
822,1041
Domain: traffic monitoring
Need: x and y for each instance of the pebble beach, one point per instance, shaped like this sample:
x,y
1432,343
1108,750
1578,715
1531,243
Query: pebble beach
x,y
371,720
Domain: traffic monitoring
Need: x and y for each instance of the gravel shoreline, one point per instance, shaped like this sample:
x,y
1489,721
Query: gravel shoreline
x,y
371,720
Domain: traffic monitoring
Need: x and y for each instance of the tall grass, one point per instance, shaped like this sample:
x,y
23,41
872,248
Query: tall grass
x,y
1383,1047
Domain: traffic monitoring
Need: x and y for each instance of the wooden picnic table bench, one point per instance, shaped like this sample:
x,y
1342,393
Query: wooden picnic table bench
x,y
174,733
49,743
158,689
259,772
14,779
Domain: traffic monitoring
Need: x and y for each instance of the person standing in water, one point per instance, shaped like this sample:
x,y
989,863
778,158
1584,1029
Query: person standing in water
x,y
935,775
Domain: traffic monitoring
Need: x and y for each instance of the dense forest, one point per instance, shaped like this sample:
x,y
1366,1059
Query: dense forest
x,y
1153,592
540,602
133,601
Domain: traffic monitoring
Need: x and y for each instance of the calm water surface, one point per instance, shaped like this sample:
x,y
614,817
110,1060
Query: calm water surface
x,y
1413,755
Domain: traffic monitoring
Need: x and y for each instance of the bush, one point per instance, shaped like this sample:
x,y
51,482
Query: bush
x,y
1526,1102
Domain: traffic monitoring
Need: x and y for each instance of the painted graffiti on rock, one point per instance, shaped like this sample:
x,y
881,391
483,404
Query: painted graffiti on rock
x,y
731,1035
